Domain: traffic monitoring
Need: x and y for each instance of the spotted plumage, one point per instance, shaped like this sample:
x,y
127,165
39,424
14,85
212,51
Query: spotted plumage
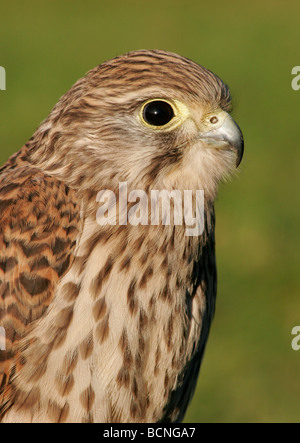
x,y
108,323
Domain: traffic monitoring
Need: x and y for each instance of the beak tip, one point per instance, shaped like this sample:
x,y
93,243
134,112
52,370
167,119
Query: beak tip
x,y
240,151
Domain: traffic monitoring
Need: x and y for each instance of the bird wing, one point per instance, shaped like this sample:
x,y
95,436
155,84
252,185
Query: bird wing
x,y
39,225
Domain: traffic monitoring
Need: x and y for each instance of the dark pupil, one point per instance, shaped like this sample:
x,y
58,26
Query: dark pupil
x,y
158,113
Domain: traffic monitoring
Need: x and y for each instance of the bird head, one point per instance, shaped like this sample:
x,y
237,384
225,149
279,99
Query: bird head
x,y
150,118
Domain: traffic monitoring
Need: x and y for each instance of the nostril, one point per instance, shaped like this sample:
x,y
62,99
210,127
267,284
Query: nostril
x,y
214,120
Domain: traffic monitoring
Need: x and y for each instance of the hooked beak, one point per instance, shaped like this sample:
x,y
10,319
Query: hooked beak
x,y
224,133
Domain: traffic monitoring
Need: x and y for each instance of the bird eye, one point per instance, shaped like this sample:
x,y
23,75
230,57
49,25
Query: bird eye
x,y
158,113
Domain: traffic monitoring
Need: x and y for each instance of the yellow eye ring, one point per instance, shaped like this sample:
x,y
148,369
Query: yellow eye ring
x,y
157,113
162,114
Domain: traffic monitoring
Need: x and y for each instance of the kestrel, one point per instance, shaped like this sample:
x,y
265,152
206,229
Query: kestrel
x,y
109,322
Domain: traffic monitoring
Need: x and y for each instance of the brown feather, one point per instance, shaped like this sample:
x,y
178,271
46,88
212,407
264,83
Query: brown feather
x,y
36,251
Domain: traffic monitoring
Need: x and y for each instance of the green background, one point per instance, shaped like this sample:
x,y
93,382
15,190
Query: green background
x,y
250,372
